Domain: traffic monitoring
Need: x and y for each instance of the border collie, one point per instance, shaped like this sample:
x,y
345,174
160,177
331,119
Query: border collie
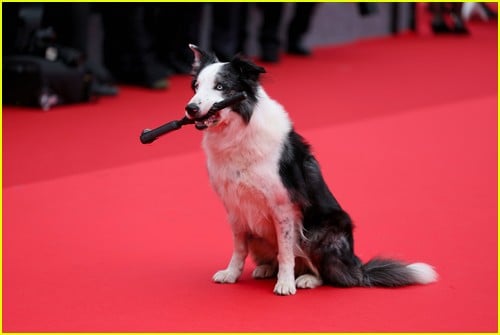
x,y
279,207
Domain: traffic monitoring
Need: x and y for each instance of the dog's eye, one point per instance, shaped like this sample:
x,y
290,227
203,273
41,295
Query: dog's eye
x,y
195,86
219,87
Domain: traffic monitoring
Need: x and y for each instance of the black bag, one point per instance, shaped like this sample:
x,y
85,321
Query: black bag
x,y
30,80
44,74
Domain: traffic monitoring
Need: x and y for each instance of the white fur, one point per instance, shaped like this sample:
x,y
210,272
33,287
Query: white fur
x,y
423,273
308,281
242,161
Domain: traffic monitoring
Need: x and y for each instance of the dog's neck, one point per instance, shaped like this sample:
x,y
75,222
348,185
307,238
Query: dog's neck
x,y
266,131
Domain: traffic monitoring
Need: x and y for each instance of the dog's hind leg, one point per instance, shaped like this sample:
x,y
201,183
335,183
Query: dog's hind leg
x,y
335,259
307,275
264,271
264,255
235,268
308,281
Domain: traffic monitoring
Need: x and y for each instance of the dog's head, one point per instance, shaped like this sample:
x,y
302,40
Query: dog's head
x,y
214,81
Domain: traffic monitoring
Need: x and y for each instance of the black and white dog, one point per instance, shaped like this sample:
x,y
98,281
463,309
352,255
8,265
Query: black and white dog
x,y
280,209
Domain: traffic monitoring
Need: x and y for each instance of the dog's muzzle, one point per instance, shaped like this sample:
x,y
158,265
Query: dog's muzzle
x,y
200,122
192,109
212,116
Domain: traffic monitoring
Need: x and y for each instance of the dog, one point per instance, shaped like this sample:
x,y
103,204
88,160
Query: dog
x,y
280,209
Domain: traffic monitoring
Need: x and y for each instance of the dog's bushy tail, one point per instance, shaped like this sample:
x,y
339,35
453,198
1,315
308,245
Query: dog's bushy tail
x,y
337,264
393,273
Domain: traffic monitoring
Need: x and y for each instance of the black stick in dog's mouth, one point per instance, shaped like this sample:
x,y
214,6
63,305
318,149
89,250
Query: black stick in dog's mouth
x,y
201,122
150,135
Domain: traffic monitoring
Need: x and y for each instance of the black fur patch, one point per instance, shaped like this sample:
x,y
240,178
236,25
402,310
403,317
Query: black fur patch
x,y
205,59
301,175
237,76
328,228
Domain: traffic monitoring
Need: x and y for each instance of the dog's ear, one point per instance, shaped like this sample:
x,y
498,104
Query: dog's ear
x,y
246,68
201,58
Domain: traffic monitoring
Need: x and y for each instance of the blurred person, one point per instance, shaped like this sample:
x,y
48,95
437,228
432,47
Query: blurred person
x,y
70,24
447,18
128,46
11,25
226,28
173,26
62,28
269,41
298,27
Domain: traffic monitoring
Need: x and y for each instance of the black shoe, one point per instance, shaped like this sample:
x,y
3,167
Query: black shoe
x,y
440,27
158,84
104,89
459,27
270,54
299,50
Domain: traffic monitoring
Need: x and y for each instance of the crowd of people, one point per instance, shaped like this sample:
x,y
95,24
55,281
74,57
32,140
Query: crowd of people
x,y
144,43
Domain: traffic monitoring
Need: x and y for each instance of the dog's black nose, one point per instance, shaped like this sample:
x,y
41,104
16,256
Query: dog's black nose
x,y
192,109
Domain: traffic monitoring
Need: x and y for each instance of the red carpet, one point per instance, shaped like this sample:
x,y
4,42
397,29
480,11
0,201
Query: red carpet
x,y
101,233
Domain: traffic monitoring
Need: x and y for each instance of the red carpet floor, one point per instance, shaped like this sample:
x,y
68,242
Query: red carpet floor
x,y
101,233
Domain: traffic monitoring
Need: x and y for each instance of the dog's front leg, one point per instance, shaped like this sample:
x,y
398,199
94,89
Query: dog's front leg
x,y
285,233
235,267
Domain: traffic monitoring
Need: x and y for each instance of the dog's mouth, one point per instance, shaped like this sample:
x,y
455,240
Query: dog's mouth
x,y
206,122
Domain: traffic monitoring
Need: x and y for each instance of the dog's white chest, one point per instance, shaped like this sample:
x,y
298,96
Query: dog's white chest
x,y
249,189
243,165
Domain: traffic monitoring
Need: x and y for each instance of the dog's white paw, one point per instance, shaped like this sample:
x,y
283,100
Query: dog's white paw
x,y
225,276
308,281
264,271
285,288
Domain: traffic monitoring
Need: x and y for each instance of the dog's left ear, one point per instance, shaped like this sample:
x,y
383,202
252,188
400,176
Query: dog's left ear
x,y
201,58
247,68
